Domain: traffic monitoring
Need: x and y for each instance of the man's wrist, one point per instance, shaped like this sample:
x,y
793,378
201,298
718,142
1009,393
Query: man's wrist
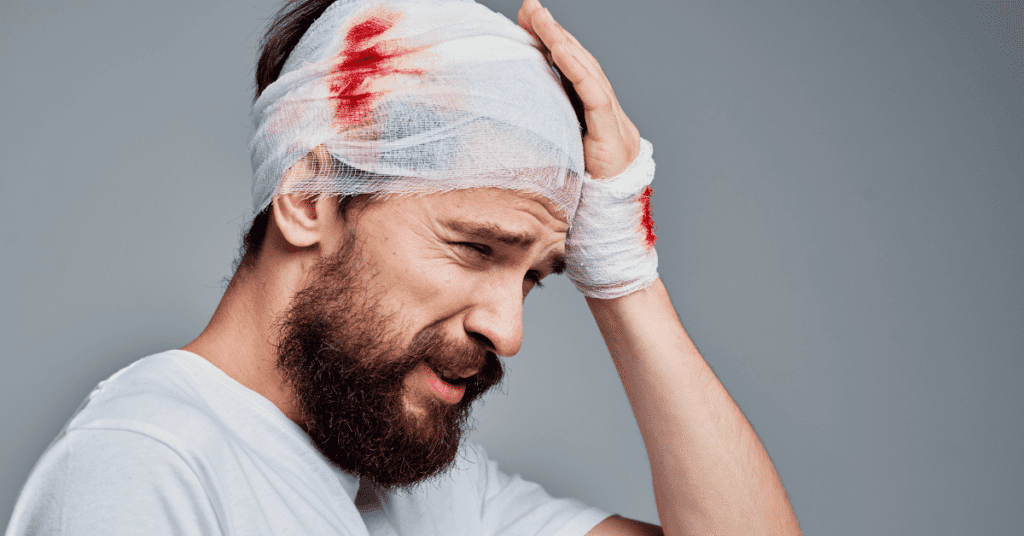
x,y
610,247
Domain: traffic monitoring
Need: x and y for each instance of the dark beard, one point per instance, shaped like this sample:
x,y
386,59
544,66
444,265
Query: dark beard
x,y
342,359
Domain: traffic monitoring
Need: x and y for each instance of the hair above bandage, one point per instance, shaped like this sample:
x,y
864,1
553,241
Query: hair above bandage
x,y
417,96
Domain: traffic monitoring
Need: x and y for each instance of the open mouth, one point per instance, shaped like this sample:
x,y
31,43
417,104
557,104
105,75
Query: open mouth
x,y
450,390
450,377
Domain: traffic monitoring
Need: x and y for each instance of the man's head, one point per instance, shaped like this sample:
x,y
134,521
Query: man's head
x,y
403,299
445,95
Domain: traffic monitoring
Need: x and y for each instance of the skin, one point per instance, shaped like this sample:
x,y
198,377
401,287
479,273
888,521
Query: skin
x,y
711,474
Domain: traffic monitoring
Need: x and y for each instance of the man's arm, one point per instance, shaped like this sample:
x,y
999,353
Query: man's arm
x,y
711,473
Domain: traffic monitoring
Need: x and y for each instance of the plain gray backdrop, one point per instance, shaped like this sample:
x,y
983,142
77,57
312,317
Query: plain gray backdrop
x,y
840,212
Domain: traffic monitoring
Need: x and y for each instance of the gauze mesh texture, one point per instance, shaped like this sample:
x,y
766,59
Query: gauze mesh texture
x,y
417,96
610,248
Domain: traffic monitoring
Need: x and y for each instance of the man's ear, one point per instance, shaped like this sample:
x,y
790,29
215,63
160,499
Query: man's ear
x,y
296,217
300,216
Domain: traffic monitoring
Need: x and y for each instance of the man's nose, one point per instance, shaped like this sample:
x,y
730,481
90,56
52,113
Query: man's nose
x,y
497,316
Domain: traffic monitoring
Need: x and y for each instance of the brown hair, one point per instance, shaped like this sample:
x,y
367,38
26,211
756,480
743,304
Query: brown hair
x,y
285,30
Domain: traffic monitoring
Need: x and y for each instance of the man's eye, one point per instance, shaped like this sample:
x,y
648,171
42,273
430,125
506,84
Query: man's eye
x,y
479,249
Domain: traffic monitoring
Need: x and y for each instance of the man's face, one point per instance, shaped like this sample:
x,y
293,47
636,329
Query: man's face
x,y
395,333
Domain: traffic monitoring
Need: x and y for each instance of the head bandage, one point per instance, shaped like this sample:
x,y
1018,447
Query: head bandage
x,y
417,96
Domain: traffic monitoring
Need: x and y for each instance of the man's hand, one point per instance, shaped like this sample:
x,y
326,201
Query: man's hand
x,y
611,142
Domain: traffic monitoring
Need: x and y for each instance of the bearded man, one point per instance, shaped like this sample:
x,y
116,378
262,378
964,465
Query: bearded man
x,y
419,168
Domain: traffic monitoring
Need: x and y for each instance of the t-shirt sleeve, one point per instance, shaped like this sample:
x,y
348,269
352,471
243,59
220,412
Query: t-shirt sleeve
x,y
513,506
112,482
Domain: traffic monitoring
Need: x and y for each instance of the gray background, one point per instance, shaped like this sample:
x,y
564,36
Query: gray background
x,y
839,200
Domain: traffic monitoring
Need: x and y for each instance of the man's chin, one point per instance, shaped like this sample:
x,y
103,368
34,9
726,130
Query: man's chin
x,y
422,443
395,440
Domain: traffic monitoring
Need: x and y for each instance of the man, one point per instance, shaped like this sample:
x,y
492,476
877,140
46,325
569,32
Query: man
x,y
418,171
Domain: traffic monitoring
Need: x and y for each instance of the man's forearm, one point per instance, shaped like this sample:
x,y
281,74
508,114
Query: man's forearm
x,y
711,473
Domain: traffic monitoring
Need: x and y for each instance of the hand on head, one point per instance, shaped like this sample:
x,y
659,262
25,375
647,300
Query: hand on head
x,y
611,142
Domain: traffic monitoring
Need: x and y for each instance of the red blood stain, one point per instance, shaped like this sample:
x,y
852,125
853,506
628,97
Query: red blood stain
x,y
364,57
646,221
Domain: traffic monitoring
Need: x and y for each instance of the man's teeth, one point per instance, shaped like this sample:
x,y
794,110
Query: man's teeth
x,y
442,373
448,375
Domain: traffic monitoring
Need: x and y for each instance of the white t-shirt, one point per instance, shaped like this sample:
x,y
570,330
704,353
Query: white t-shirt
x,y
173,445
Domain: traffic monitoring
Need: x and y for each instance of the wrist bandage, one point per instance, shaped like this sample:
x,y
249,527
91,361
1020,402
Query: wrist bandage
x,y
610,247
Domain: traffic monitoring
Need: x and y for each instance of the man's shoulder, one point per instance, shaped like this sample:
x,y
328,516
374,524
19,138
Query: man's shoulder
x,y
140,442
173,436
162,396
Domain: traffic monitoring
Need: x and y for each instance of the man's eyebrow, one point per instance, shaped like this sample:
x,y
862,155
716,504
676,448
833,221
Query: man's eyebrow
x,y
492,232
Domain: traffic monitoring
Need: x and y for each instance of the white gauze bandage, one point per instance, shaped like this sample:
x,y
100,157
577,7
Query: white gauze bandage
x,y
417,96
610,247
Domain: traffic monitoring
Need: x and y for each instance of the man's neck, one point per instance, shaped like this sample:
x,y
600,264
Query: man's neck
x,y
240,336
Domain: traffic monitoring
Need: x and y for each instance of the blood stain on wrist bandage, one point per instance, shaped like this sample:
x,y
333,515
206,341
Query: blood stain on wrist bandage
x,y
364,58
646,221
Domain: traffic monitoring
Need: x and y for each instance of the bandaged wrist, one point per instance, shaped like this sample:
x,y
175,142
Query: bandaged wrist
x,y
610,246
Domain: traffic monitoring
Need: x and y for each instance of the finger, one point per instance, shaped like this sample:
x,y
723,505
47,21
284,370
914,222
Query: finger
x,y
608,145
593,88
576,56
552,34
611,141
580,62
523,17
599,108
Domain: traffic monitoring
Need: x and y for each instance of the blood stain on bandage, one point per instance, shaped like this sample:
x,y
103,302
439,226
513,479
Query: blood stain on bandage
x,y
364,58
646,221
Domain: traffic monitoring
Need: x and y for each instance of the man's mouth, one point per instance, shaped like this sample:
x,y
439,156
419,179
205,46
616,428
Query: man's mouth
x,y
454,378
449,389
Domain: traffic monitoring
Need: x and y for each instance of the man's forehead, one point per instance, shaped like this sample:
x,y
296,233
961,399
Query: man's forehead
x,y
492,201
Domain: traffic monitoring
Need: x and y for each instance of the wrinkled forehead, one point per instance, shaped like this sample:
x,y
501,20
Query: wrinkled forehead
x,y
418,97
